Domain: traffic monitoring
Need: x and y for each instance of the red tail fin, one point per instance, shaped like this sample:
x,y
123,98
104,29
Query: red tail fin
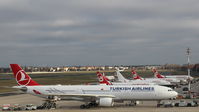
x,y
21,77
154,70
157,74
135,75
103,79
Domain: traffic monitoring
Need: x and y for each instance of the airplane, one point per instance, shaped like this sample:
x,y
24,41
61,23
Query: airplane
x,y
154,80
93,95
173,78
110,78
137,77
104,80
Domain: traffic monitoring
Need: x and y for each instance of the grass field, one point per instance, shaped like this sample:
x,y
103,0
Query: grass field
x,y
65,78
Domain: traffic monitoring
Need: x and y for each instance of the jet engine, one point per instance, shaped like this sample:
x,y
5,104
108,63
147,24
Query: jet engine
x,y
106,102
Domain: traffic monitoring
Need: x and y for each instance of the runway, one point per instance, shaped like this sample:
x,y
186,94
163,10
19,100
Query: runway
x,y
68,106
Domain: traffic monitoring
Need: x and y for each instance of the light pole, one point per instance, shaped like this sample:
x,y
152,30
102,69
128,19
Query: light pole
x,y
188,68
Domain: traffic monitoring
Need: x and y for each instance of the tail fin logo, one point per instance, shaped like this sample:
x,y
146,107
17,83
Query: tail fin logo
x,y
22,78
100,77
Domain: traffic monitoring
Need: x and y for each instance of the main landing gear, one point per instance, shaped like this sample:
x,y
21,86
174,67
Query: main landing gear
x,y
159,103
50,103
89,105
131,103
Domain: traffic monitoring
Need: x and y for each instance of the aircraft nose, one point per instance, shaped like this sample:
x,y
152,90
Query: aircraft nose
x,y
168,83
175,94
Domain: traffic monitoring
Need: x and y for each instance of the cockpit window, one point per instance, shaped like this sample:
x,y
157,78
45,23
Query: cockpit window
x,y
170,90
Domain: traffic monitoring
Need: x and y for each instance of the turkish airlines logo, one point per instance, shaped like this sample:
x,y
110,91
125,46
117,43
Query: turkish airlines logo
x,y
101,79
22,78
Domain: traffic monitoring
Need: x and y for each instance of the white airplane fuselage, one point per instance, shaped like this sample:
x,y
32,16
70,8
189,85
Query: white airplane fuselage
x,y
119,92
170,79
156,81
183,78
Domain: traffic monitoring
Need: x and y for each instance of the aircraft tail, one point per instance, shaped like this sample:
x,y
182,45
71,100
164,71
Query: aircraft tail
x,y
157,74
121,77
135,75
103,79
21,77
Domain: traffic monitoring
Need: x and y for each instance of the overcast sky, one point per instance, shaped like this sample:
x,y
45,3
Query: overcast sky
x,y
98,32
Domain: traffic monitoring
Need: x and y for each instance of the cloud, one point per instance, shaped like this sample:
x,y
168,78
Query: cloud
x,y
93,32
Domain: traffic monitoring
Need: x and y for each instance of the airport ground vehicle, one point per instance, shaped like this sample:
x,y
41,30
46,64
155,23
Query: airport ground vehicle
x,y
192,104
179,103
30,107
183,103
166,104
169,104
17,107
6,107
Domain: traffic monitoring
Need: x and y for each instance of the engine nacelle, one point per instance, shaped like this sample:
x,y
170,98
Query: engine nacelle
x,y
106,102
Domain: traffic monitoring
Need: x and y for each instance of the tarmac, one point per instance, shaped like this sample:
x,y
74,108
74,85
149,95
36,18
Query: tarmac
x,y
68,106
